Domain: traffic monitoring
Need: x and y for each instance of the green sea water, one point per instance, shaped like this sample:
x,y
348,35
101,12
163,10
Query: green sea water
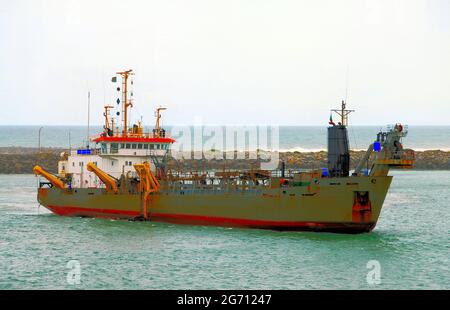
x,y
410,243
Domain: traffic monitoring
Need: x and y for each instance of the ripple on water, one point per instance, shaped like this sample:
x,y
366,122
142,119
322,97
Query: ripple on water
x,y
410,242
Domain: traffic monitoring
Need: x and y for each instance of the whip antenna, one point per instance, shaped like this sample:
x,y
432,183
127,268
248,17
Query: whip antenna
x,y
346,85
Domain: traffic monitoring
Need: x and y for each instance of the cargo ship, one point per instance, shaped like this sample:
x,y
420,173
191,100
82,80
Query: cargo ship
x,y
125,176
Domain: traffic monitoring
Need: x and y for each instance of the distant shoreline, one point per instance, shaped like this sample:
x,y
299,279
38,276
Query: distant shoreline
x,y
21,160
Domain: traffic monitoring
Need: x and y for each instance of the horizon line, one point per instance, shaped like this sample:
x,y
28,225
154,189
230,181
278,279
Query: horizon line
x,y
251,124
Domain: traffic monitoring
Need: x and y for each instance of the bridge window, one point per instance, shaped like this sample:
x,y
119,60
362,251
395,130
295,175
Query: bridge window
x,y
139,146
122,145
158,146
104,148
128,146
146,146
152,146
133,146
114,148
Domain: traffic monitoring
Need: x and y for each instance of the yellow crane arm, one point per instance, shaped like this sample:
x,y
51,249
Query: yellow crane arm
x,y
54,180
110,182
148,183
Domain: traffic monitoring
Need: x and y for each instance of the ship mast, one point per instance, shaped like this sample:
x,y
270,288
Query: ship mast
x,y
343,113
157,125
106,114
125,102
88,118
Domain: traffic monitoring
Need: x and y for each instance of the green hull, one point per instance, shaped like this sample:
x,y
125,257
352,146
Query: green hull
x,y
351,204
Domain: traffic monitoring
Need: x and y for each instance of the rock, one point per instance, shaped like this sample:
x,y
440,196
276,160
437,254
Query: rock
x,y
20,160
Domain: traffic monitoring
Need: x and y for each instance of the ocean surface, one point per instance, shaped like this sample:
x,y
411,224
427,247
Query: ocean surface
x,y
411,244
291,138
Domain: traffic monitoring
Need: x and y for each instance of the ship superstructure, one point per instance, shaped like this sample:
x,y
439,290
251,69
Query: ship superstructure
x,y
126,177
117,149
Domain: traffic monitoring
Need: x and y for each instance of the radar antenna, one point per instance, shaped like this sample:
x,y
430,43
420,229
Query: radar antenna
x,y
157,130
343,113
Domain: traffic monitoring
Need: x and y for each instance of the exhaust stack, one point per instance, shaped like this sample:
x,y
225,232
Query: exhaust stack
x,y
338,145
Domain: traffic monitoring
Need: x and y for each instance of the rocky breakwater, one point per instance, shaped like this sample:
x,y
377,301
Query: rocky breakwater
x,y
19,160
425,160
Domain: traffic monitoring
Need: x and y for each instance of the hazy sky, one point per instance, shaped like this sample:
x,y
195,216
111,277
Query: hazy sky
x,y
240,62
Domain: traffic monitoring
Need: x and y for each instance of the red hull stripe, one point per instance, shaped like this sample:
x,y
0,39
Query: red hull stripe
x,y
209,220
131,139
75,211
233,221
277,225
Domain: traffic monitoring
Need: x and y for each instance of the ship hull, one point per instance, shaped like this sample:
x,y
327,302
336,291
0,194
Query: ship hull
x,y
333,206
